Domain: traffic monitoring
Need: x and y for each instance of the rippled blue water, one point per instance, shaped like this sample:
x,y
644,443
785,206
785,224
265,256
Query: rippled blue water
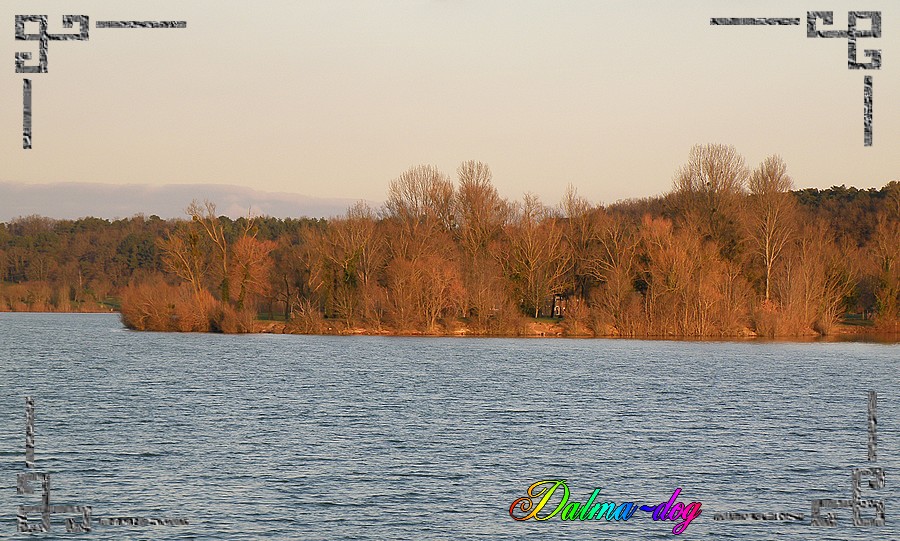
x,y
310,437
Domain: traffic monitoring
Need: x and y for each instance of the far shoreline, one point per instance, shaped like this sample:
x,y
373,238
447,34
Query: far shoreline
x,y
843,333
537,329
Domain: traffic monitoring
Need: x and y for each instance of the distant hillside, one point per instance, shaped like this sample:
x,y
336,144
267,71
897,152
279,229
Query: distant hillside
x,y
71,200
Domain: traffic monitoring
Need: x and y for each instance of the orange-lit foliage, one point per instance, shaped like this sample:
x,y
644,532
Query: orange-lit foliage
x,y
727,252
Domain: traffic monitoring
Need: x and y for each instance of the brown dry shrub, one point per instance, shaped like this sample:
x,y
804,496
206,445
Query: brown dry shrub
x,y
307,319
191,314
27,297
227,319
771,320
609,317
158,306
504,319
767,321
577,320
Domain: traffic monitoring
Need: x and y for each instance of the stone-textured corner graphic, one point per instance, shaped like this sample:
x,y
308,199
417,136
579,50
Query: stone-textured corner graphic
x,y
851,34
820,509
42,35
83,521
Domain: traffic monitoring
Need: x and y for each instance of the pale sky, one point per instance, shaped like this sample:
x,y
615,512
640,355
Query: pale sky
x,y
333,99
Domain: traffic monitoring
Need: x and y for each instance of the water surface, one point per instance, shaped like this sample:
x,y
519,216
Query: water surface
x,y
321,437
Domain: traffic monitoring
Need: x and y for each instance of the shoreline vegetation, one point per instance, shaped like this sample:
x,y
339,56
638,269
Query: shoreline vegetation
x,y
849,329
544,329
729,252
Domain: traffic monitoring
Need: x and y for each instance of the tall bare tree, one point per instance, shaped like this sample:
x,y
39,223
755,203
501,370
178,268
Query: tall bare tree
x,y
480,211
581,232
251,266
885,248
612,260
205,216
419,208
344,261
772,213
818,278
183,255
536,259
708,190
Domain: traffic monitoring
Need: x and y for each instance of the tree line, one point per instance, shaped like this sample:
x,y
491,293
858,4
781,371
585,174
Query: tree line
x,y
730,250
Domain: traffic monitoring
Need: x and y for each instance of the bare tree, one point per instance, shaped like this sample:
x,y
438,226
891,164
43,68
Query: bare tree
x,y
344,260
183,256
708,190
772,213
670,264
819,276
290,279
205,216
480,211
611,261
481,214
420,204
581,232
885,248
536,258
357,239
422,291
251,266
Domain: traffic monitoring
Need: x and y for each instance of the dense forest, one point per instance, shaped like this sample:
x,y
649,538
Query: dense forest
x,y
731,250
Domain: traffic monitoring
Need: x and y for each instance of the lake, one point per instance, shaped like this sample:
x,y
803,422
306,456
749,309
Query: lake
x,y
383,438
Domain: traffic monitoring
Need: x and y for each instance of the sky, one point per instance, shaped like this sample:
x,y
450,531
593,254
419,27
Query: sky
x,y
333,99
